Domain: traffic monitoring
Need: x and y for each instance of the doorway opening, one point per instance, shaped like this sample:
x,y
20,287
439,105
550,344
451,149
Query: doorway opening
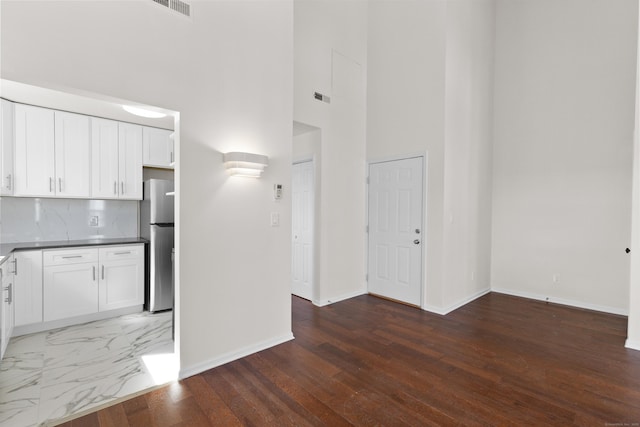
x,y
305,211
121,352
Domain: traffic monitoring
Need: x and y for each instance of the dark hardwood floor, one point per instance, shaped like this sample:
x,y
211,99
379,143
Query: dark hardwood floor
x,y
499,360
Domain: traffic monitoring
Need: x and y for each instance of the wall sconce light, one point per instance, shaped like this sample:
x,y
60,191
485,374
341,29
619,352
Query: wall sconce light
x,y
245,164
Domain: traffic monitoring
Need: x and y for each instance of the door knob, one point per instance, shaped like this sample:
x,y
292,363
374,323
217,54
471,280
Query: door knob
x,y
416,242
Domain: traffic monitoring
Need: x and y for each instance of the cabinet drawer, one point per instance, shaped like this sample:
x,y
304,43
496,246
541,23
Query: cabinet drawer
x,y
112,253
69,256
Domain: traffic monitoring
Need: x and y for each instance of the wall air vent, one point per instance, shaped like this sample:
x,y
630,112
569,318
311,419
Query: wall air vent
x,y
177,5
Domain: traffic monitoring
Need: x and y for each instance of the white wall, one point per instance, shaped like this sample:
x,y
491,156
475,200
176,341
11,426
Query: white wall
x,y
468,150
228,72
330,58
564,102
633,325
430,91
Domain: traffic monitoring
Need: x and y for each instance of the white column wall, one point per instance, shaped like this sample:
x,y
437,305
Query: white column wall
x,y
331,58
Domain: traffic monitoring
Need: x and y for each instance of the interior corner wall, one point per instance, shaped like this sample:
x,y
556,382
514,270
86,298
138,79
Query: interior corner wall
x,y
330,57
564,118
430,90
228,71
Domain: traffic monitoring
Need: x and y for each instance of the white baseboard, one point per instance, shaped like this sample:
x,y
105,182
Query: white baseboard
x,y
232,355
339,298
562,301
632,344
446,310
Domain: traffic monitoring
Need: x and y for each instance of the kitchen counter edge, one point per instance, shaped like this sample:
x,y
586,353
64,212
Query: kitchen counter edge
x,y
7,248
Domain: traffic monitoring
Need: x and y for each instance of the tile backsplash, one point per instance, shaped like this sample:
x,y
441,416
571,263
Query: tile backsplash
x,y
41,220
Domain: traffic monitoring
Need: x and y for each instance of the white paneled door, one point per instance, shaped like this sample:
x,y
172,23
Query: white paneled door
x,y
395,229
302,191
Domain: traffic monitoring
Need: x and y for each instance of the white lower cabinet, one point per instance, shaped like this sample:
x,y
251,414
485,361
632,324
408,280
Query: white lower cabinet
x,y
121,277
70,291
89,280
6,277
28,287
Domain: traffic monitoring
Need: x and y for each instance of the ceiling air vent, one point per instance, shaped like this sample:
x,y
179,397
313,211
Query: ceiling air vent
x,y
176,5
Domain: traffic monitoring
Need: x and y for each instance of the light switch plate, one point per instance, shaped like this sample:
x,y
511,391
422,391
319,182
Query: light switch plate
x,y
275,219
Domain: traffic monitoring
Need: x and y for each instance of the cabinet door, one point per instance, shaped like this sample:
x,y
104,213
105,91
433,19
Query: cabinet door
x,y
130,164
157,147
6,148
73,155
28,287
70,290
34,151
121,276
104,158
7,305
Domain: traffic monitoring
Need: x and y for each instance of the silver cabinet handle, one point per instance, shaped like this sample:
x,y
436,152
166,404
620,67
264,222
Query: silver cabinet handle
x,y
9,177
72,256
51,188
15,266
102,271
122,253
122,187
9,289
115,187
94,273
60,185
172,157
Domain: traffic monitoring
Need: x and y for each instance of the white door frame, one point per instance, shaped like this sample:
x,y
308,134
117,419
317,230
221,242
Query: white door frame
x,y
424,222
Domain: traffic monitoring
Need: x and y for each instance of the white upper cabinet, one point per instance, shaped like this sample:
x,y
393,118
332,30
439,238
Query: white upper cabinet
x,y
34,151
49,153
130,161
73,155
104,163
6,148
157,148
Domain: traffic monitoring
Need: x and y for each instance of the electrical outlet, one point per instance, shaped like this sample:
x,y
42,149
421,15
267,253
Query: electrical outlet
x,y
93,221
556,278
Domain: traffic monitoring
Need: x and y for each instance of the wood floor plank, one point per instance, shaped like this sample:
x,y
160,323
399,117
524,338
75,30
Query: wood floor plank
x,y
499,360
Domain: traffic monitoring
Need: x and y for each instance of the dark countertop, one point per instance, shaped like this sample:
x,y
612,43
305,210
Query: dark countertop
x,y
7,248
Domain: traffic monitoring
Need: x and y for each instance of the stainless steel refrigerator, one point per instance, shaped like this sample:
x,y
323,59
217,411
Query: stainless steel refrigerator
x,y
156,225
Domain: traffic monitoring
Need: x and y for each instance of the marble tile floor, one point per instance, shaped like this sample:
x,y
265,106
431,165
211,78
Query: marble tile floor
x,y
55,374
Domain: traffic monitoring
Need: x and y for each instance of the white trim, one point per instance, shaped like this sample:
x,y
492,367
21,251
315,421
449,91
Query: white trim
x,y
232,355
339,298
562,301
633,345
384,159
457,305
